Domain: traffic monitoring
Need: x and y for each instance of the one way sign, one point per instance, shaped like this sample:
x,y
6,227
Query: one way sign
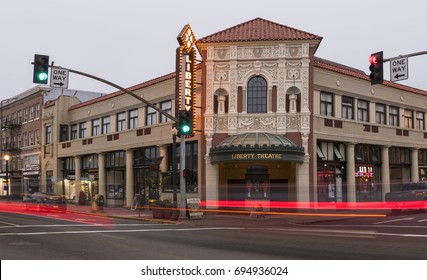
x,y
59,78
399,69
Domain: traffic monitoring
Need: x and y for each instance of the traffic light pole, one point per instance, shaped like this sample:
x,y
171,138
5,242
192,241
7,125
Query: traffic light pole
x,y
119,88
406,55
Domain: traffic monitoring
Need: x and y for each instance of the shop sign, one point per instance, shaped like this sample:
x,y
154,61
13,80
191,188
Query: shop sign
x,y
193,208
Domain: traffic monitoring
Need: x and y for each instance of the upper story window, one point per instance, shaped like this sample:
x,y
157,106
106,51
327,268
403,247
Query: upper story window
x,y
363,110
151,116
347,108
380,114
121,121
73,135
408,119
167,107
31,113
419,122
25,115
257,95
326,104
48,136
393,116
96,127
37,116
105,125
133,118
83,130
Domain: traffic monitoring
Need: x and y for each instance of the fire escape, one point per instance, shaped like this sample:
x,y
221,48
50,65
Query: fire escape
x,y
10,150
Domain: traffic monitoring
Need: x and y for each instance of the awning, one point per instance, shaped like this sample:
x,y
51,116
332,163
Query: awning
x,y
257,146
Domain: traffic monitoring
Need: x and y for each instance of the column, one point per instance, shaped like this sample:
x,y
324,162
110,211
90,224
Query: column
x,y
102,175
385,170
351,179
129,191
78,179
415,175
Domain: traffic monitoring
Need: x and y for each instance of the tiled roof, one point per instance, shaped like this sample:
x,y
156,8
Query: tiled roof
x,y
352,72
258,30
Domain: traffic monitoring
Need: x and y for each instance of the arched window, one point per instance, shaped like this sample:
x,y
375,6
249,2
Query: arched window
x,y
257,95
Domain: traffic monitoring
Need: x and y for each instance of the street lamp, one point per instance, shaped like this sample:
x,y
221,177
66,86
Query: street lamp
x,y
7,158
174,133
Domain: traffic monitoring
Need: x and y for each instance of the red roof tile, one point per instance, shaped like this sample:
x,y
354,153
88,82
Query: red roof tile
x,y
258,30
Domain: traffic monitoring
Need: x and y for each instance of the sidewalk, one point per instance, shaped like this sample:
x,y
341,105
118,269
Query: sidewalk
x,y
212,218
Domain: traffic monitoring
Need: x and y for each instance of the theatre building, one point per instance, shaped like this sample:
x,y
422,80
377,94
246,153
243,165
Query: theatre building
x,y
274,123
283,125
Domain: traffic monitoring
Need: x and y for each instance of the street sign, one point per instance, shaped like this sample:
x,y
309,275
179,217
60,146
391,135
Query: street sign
x,y
399,69
59,78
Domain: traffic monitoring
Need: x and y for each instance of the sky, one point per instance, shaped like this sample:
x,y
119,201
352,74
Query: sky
x,y
132,41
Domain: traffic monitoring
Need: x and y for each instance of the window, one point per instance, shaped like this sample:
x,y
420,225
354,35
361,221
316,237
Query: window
x,y
48,135
37,116
380,114
419,123
408,119
19,117
31,137
347,108
167,107
74,132
326,104
25,115
121,121
96,127
151,116
105,125
82,130
257,95
90,161
393,116
115,159
36,135
362,110
63,132
133,118
31,113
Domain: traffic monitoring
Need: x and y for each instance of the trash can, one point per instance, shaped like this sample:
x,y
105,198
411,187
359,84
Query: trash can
x,y
100,202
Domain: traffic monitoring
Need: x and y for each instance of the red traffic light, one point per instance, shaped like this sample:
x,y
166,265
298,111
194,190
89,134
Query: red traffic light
x,y
374,59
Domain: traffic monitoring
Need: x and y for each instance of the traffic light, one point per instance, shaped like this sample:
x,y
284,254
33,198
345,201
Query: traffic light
x,y
376,68
41,69
185,123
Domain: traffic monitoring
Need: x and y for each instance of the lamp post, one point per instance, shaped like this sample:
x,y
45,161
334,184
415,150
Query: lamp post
x,y
174,133
7,158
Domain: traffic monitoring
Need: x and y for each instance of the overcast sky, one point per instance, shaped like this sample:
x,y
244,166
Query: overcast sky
x,y
132,41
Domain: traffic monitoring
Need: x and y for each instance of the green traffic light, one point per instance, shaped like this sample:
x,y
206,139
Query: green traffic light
x,y
42,76
185,129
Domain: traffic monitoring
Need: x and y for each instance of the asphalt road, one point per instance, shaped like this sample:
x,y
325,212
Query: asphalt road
x,y
80,237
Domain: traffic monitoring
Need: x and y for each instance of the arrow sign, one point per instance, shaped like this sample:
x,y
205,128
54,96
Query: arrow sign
x,y
399,69
59,78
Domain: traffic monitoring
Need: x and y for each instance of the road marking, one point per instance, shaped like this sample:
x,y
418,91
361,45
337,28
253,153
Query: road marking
x,y
392,221
420,221
115,231
327,232
8,224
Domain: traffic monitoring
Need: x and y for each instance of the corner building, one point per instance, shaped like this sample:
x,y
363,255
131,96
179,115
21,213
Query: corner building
x,y
282,125
274,124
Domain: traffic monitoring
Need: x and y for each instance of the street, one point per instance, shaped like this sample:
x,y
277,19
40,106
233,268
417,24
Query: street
x,y
74,236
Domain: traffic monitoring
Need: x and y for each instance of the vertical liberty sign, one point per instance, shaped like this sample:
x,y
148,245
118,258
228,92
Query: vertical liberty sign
x,y
186,92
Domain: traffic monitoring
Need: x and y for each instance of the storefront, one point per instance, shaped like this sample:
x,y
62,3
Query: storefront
x,y
257,169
